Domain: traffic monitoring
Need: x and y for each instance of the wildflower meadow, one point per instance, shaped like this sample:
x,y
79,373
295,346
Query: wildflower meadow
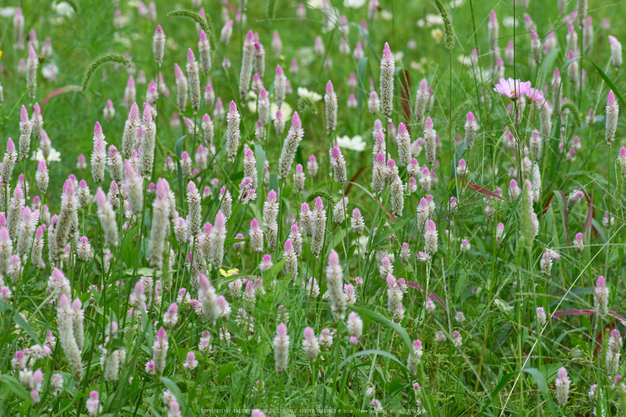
x,y
327,207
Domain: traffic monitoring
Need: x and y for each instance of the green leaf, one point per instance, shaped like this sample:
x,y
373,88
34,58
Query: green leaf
x,y
115,344
14,386
177,394
236,176
19,320
179,151
259,155
547,64
178,146
461,283
384,232
369,41
274,270
384,320
144,272
543,387
273,182
372,352
224,371
360,74
338,237
560,196
605,77
501,384
4,307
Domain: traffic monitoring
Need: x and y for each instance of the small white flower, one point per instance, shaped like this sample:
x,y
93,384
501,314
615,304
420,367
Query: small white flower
x,y
64,9
356,143
354,4
509,21
386,15
9,11
303,92
55,156
434,19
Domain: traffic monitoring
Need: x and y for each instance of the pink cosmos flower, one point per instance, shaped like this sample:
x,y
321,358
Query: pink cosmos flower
x,y
535,95
513,89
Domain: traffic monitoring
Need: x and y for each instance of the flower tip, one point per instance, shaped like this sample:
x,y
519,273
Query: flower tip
x,y
295,120
308,333
333,258
190,57
611,98
387,51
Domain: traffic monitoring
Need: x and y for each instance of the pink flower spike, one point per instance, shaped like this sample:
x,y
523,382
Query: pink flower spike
x,y
387,52
611,98
333,258
178,72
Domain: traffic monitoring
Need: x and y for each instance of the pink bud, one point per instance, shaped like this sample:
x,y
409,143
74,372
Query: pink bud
x,y
333,258
308,333
387,52
32,55
220,220
296,123
281,330
178,72
611,99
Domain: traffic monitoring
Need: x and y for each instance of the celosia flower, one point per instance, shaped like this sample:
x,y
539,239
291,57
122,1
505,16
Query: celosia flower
x,y
290,146
612,113
562,384
158,44
616,51
334,277
330,99
387,69
281,348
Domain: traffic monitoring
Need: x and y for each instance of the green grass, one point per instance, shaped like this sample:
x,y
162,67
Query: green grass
x,y
506,364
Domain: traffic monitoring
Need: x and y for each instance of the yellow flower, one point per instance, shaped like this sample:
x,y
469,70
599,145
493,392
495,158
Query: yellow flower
x,y
0,54
229,273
